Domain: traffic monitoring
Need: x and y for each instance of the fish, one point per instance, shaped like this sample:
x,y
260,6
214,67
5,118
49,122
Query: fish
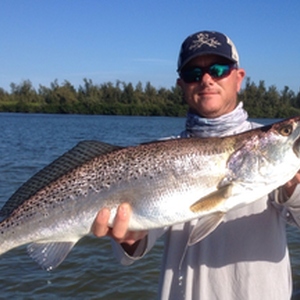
x,y
166,182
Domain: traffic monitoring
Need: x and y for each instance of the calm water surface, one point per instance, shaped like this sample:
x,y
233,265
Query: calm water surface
x,y
30,141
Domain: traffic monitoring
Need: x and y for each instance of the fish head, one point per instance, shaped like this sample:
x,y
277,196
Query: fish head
x,y
289,130
269,153
281,158
280,144
296,134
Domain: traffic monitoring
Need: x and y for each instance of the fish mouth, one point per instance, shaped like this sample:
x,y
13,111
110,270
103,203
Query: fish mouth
x,y
296,147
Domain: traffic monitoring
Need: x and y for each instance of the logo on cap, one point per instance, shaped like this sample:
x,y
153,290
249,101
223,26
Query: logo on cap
x,y
204,39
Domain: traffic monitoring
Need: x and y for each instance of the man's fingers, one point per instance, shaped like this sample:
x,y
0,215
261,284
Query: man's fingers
x,y
100,226
121,222
119,230
133,236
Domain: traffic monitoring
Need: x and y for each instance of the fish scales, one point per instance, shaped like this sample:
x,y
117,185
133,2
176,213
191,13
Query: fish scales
x,y
98,175
165,182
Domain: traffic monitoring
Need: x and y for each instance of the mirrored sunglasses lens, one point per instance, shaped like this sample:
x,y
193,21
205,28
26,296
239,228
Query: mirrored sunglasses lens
x,y
219,70
193,75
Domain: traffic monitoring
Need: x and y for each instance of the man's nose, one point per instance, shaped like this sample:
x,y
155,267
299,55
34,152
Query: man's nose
x,y
206,78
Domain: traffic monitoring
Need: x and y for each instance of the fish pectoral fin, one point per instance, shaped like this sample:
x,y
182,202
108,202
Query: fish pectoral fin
x,y
213,199
49,255
204,227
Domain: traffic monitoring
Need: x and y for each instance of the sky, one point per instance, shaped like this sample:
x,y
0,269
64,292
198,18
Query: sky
x,y
139,40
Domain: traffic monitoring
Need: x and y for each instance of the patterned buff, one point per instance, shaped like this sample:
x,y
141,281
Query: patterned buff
x,y
225,125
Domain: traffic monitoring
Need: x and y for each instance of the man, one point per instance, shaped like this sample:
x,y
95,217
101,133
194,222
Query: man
x,y
246,257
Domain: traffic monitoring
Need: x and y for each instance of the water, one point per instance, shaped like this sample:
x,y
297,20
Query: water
x,y
29,142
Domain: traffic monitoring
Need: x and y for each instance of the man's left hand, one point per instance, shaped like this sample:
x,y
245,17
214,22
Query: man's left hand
x,y
290,186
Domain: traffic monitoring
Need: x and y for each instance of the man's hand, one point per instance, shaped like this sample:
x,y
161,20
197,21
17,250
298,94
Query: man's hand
x,y
119,232
290,186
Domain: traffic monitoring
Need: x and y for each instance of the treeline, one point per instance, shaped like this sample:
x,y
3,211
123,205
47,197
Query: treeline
x,y
125,99
106,99
262,102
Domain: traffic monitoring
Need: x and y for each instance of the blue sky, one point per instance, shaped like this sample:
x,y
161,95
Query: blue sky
x,y
139,40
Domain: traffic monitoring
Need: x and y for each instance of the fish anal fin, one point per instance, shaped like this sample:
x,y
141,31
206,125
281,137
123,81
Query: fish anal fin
x,y
49,255
212,200
204,227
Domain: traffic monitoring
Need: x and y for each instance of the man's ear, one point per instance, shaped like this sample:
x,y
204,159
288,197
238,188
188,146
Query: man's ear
x,y
240,76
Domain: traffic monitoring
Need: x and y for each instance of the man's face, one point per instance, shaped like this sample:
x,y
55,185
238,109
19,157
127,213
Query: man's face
x,y
212,97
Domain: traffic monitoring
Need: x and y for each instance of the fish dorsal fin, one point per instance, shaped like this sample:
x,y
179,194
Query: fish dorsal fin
x,y
80,154
49,255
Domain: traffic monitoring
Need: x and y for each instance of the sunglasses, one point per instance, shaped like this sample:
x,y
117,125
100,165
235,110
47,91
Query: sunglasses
x,y
216,71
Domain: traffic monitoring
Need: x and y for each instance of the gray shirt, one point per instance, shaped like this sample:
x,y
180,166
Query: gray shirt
x,y
246,257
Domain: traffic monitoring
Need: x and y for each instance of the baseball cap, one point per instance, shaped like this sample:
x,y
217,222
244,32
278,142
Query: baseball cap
x,y
206,42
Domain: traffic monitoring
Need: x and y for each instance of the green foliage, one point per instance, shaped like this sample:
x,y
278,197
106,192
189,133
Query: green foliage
x,y
261,102
125,99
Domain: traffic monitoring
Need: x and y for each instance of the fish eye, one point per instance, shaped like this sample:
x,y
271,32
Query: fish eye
x,y
286,130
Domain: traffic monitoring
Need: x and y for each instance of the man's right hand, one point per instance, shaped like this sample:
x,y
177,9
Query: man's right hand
x,y
119,232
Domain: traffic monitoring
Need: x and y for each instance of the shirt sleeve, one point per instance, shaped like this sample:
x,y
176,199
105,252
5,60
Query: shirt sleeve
x,y
289,207
142,249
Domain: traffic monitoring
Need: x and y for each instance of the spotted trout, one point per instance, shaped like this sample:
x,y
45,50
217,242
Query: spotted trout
x,y
165,182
